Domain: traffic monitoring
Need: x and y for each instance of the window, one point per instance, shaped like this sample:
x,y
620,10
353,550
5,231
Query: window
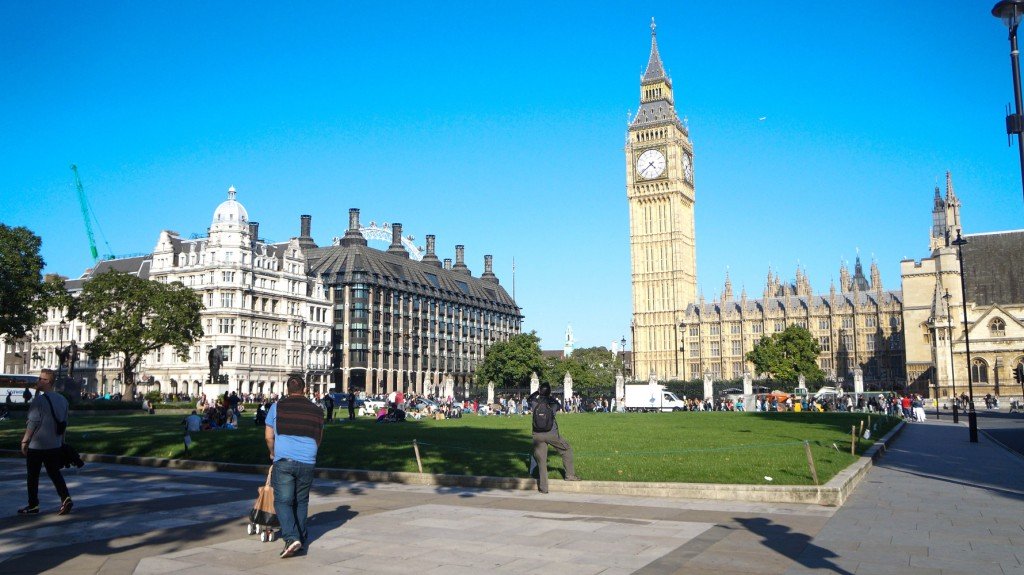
x,y
870,321
825,343
997,328
847,322
871,343
227,299
715,349
226,325
737,368
228,277
979,371
735,327
695,330
715,329
780,326
757,327
737,347
823,323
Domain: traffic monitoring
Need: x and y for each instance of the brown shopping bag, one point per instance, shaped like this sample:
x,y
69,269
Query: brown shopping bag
x,y
263,511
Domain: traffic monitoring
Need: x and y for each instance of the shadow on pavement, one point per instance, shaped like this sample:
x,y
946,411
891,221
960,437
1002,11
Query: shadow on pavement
x,y
796,546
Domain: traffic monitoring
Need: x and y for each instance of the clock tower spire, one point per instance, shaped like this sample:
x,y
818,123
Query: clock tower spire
x,y
660,190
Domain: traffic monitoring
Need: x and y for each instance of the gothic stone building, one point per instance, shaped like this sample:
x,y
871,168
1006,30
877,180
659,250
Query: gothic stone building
x,y
677,336
934,311
857,326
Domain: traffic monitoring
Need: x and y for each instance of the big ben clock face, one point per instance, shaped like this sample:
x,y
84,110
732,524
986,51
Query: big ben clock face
x,y
688,168
650,164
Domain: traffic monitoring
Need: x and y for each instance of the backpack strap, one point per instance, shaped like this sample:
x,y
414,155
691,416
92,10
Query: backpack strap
x,y
54,413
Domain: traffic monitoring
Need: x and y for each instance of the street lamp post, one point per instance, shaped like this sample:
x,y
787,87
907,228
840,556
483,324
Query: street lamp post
x,y
972,417
60,348
1010,12
952,366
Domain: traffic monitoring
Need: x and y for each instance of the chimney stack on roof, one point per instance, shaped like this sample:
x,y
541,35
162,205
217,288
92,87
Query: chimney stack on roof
x,y
352,236
305,225
431,256
460,260
254,231
488,274
447,263
396,242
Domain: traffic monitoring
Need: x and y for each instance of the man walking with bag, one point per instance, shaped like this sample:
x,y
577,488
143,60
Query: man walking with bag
x,y
545,433
41,444
294,430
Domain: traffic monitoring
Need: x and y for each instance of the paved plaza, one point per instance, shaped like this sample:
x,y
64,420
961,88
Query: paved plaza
x,y
934,504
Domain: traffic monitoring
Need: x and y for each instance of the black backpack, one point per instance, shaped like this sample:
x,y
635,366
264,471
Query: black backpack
x,y
543,416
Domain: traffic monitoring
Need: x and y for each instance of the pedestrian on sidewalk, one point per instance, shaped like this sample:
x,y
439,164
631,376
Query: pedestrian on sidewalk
x,y
545,433
294,430
41,444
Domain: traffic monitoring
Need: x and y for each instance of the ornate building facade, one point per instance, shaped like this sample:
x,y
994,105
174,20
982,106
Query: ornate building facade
x,y
677,335
660,190
857,326
934,312
346,316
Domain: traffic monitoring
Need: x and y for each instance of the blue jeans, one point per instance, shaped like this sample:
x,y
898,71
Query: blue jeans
x,y
291,481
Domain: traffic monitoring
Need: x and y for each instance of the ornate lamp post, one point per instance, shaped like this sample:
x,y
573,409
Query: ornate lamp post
x,y
1010,12
60,348
972,417
952,368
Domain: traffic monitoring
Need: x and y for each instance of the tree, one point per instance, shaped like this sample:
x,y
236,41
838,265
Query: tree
x,y
133,317
510,363
592,370
788,354
24,296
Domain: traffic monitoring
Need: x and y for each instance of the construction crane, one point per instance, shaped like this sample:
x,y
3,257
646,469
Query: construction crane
x,y
85,214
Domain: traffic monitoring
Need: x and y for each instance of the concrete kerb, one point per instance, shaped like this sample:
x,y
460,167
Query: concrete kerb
x,y
832,494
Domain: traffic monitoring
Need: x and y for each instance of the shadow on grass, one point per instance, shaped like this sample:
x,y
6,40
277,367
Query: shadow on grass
x,y
796,546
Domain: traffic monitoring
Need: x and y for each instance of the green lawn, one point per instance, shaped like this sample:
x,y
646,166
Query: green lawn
x,y
675,447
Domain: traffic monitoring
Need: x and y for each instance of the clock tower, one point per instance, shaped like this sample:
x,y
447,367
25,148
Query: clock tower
x,y
663,254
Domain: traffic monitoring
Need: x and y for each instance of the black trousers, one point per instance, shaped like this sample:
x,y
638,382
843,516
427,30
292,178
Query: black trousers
x,y
50,458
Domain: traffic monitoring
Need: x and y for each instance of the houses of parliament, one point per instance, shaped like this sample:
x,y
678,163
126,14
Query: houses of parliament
x,y
914,337
680,336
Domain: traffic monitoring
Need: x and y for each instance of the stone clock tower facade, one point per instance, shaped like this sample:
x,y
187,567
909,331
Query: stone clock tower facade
x,y
663,253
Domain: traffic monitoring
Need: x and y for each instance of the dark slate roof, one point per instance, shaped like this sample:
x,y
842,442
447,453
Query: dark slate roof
x,y
655,71
994,267
136,266
657,112
336,265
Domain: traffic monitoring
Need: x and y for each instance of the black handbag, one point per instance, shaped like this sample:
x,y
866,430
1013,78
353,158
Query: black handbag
x,y
68,455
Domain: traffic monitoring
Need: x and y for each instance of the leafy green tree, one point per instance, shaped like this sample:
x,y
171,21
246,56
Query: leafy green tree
x,y
133,317
510,363
24,296
592,370
788,354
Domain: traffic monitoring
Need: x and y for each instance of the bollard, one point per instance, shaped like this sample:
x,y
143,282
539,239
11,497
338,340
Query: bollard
x,y
416,449
861,428
810,462
853,439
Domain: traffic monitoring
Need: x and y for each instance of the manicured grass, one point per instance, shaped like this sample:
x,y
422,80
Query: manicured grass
x,y
672,447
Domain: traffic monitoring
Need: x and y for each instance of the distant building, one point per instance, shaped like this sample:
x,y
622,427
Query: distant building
x,y
994,277
402,324
345,316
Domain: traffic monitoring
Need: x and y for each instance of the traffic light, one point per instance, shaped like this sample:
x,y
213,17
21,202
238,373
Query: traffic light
x,y
1018,373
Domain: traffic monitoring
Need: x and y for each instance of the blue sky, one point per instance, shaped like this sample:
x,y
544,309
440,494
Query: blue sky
x,y
501,126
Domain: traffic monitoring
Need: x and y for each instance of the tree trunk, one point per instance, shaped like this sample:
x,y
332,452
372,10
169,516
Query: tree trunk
x,y
128,377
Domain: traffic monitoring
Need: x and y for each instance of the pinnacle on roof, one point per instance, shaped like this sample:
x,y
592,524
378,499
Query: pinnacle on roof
x,y
655,70
950,195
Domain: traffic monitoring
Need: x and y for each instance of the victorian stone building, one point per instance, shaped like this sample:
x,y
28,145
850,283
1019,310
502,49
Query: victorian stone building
x,y
346,316
992,267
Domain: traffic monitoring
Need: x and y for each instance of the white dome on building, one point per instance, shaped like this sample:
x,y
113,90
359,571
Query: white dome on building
x,y
230,211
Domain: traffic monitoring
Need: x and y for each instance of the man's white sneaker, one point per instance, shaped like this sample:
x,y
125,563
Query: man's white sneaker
x,y
291,549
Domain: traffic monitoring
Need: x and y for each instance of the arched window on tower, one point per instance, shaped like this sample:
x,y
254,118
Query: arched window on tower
x,y
979,371
997,327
